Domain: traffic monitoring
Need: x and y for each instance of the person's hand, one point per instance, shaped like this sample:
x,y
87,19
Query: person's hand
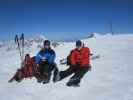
x,y
74,65
91,54
37,65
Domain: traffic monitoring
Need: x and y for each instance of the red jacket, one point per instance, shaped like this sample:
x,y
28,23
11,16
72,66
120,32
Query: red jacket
x,y
81,57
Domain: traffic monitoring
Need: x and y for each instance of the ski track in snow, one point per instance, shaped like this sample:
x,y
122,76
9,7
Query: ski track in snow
x,y
111,77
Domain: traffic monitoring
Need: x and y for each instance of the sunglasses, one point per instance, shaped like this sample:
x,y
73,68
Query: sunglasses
x,y
46,44
78,46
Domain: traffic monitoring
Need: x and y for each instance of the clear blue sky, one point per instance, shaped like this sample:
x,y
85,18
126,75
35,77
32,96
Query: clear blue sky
x,y
59,19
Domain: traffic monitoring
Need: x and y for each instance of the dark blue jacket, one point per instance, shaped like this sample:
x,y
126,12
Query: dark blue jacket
x,y
47,54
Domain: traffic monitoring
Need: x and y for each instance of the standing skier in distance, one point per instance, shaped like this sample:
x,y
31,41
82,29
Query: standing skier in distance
x,y
45,61
79,64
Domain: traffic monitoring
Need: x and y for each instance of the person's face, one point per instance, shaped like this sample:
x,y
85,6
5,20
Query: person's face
x,y
78,47
46,46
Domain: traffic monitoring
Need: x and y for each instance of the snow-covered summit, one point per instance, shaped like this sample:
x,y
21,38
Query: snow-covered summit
x,y
110,79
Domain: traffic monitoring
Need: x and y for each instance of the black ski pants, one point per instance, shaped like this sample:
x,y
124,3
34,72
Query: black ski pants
x,y
77,71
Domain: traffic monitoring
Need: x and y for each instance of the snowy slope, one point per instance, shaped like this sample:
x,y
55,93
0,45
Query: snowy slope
x,y
111,77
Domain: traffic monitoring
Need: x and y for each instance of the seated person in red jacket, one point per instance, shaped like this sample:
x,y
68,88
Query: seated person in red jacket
x,y
80,64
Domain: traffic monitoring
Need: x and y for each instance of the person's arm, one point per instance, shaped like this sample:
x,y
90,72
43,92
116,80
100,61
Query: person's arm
x,y
37,58
89,52
72,58
52,57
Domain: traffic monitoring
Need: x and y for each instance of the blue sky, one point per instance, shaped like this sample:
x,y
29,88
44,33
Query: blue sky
x,y
64,19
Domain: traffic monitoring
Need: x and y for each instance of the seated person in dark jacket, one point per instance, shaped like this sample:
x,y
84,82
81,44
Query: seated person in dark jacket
x,y
45,61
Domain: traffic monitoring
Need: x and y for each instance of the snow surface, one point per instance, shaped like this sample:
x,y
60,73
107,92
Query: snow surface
x,y
111,77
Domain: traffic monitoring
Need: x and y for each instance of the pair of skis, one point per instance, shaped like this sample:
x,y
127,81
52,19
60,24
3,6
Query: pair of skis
x,y
20,45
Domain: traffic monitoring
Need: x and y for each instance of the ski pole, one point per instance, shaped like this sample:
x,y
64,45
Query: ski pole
x,y
18,44
22,43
